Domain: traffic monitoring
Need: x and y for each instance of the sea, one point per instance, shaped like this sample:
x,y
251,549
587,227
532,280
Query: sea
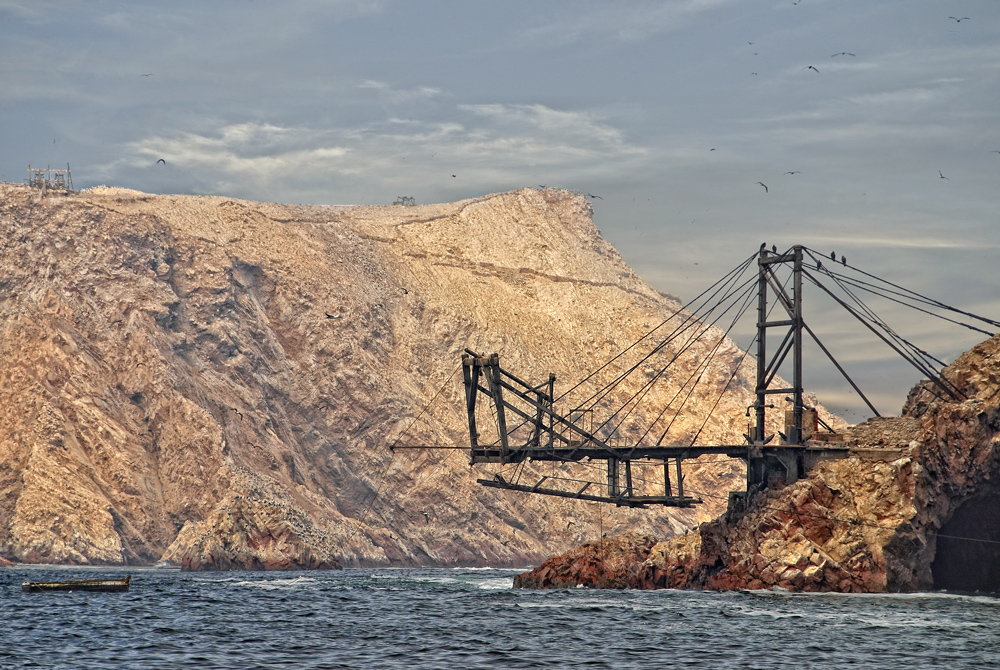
x,y
473,618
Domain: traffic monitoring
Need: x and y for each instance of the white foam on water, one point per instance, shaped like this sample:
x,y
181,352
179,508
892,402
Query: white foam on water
x,y
276,584
498,584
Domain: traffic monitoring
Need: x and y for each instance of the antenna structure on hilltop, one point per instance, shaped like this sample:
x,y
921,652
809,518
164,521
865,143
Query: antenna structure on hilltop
x,y
46,178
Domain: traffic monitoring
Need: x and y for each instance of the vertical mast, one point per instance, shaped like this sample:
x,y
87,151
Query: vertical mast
x,y
796,432
758,436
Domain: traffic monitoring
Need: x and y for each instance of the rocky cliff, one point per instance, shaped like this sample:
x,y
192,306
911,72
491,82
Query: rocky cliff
x,y
216,382
916,506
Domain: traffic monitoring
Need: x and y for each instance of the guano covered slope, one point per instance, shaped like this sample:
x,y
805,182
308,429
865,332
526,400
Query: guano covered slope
x,y
216,382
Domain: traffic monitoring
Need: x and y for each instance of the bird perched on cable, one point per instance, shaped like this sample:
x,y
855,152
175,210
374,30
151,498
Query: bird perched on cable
x,y
762,245
833,256
774,248
819,264
843,260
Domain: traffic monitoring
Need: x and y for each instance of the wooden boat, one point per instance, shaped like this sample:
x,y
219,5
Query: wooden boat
x,y
105,585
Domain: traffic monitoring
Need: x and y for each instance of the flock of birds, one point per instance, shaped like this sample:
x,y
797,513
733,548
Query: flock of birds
x,y
766,190
956,19
816,70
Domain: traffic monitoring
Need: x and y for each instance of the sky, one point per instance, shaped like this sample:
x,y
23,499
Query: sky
x,y
875,127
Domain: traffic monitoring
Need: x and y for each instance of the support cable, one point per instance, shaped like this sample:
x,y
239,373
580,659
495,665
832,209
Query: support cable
x,y
739,269
871,288
691,321
708,362
915,351
665,408
649,385
932,301
920,368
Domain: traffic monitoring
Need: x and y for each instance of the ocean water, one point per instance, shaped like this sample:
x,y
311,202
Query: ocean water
x,y
461,618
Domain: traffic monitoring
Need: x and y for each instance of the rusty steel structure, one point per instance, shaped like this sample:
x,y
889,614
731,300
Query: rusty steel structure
x,y
530,427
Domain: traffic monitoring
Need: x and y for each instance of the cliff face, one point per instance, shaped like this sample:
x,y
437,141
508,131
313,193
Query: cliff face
x,y
216,382
914,507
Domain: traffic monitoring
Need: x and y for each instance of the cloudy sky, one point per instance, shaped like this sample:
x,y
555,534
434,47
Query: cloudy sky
x,y
671,111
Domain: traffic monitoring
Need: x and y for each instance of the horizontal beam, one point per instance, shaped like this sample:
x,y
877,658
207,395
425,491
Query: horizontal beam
x,y
621,501
586,451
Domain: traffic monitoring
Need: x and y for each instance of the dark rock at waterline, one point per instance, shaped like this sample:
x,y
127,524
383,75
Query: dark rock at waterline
x,y
914,507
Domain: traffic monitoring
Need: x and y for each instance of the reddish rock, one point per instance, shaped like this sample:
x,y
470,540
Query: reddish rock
x,y
610,563
867,523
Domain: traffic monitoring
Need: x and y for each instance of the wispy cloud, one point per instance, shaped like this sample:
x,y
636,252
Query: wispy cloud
x,y
488,144
624,21
397,96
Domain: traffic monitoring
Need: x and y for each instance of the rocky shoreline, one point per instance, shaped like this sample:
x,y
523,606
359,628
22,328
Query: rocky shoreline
x,y
877,521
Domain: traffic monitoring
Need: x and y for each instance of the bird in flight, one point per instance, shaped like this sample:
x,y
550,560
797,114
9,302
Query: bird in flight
x,y
942,175
454,175
794,172
810,67
764,185
146,75
162,161
593,196
714,150
842,53
957,20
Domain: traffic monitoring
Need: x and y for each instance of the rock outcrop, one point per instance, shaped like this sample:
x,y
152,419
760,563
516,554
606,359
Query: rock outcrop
x,y
914,507
217,383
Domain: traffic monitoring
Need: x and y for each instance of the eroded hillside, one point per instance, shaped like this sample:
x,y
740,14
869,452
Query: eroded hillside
x,y
216,382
